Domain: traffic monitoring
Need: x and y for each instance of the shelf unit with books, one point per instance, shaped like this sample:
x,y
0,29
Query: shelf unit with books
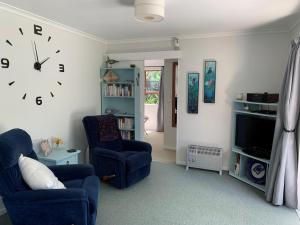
x,y
122,99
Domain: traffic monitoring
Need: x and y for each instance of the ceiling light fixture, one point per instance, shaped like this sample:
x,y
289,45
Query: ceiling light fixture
x,y
149,10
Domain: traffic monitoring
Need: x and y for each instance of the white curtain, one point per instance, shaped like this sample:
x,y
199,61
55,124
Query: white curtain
x,y
282,180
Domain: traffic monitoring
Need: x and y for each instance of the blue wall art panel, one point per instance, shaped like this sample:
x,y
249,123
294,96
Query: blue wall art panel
x,y
209,81
193,92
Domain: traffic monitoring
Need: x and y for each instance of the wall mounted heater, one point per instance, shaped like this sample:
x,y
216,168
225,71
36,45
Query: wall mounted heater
x,y
203,157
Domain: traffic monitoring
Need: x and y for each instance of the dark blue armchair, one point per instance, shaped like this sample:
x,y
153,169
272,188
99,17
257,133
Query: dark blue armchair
x,y
124,161
75,205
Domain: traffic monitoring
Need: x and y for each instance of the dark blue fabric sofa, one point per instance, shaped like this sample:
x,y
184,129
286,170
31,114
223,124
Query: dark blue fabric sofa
x,y
125,161
75,205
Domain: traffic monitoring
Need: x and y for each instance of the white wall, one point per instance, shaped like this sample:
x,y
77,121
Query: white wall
x,y
151,113
77,97
154,62
252,63
115,47
170,132
246,63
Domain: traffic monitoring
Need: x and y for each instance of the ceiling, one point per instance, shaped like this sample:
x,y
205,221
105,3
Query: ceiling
x,y
114,19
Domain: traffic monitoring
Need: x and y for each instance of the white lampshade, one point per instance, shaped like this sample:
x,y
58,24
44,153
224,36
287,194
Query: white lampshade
x,y
149,10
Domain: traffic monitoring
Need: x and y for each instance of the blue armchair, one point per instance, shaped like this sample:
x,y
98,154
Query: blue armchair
x,y
75,205
124,161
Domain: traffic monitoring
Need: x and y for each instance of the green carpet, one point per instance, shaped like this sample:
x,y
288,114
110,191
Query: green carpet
x,y
173,196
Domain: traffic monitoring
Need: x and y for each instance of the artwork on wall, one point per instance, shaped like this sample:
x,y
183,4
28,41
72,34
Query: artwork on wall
x,y
193,92
209,81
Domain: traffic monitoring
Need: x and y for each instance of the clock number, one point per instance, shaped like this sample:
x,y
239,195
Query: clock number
x,y
4,63
38,100
61,68
37,29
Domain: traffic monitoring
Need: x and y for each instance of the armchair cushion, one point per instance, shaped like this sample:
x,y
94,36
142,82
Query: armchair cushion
x,y
110,154
137,160
137,146
55,207
116,145
37,175
91,185
72,172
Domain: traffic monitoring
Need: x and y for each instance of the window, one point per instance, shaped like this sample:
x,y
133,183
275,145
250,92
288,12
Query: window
x,y
152,84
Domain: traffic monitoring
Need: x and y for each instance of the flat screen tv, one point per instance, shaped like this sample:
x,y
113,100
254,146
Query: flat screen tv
x,y
254,135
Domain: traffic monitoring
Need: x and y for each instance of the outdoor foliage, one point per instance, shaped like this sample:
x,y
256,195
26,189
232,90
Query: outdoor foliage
x,y
151,99
152,87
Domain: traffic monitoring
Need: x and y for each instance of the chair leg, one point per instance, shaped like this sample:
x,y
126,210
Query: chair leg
x,y
107,178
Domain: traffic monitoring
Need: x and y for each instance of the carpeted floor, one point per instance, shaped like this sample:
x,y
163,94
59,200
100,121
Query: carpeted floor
x,y
173,196
159,153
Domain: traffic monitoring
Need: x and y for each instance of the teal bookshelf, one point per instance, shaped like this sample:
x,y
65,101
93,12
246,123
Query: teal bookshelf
x,y
122,98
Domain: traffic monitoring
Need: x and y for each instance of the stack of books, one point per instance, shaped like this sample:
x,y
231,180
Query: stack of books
x,y
118,90
127,135
126,123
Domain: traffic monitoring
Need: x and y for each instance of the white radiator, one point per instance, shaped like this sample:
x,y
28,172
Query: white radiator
x,y
203,157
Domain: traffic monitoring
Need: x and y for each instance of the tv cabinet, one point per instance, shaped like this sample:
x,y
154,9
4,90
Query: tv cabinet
x,y
238,159
122,98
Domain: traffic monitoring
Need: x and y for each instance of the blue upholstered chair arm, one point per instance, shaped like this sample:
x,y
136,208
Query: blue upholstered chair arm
x,y
51,196
106,153
72,172
55,207
137,146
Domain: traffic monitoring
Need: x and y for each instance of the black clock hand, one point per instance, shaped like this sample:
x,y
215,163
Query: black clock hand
x,y
45,60
37,57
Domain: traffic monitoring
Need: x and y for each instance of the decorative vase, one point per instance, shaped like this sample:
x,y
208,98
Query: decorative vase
x,y
58,147
110,76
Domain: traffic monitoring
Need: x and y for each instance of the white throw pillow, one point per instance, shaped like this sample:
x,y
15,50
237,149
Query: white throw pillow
x,y
37,175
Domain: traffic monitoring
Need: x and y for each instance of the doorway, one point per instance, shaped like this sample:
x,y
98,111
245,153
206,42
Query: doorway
x,y
158,108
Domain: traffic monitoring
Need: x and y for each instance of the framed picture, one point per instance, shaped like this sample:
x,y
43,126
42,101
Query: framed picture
x,y
209,81
193,92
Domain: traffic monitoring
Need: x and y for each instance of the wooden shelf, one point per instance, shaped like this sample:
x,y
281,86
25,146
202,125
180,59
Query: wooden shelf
x,y
125,129
239,151
118,82
130,97
124,68
256,103
124,115
256,114
246,180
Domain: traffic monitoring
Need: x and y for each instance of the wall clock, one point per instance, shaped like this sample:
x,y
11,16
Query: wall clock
x,y
40,58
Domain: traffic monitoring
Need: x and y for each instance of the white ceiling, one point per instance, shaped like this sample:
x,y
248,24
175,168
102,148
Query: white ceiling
x,y
114,19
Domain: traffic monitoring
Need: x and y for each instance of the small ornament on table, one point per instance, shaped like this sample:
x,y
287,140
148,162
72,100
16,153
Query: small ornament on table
x,y
57,142
45,148
240,96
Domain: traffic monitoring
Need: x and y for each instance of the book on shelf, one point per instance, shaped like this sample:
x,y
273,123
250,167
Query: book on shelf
x,y
118,90
127,135
126,123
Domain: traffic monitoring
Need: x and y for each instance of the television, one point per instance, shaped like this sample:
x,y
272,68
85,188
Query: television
x,y
254,135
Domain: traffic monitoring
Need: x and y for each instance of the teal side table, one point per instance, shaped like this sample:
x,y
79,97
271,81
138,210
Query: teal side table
x,y
59,157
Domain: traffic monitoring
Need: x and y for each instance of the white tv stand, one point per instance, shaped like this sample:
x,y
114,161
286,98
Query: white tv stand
x,y
246,107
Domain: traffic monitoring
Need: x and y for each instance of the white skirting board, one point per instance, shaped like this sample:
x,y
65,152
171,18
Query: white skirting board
x,y
298,212
173,148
